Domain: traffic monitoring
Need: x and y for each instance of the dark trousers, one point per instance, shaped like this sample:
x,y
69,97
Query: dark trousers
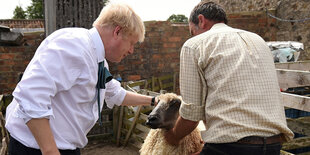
x,y
17,148
241,149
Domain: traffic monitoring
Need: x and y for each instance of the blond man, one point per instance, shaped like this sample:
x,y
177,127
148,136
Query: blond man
x,y
60,96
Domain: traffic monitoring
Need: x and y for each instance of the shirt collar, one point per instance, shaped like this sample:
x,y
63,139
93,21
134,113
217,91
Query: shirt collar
x,y
98,44
218,26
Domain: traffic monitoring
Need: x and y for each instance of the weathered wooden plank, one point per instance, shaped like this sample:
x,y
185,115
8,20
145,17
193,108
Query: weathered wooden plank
x,y
293,78
143,116
99,136
300,65
104,128
297,143
167,81
299,125
4,147
143,128
50,16
4,132
120,121
296,101
115,121
165,77
174,81
133,124
106,111
167,85
137,83
138,137
282,152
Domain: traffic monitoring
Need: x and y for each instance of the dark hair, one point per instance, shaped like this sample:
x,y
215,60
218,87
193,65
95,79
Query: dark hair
x,y
210,11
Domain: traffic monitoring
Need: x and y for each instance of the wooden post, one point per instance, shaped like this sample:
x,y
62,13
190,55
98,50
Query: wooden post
x,y
120,121
134,120
153,83
174,82
50,16
132,125
115,121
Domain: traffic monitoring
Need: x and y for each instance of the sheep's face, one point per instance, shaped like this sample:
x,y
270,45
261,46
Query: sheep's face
x,y
165,114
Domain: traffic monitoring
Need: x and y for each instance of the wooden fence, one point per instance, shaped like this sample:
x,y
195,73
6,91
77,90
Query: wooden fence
x,y
129,121
125,125
131,129
4,101
294,81
77,13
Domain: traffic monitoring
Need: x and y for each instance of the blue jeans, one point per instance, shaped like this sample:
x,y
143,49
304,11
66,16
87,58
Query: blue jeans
x,y
241,149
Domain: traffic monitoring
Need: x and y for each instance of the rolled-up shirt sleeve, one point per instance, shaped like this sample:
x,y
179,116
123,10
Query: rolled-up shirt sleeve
x,y
54,68
115,94
191,86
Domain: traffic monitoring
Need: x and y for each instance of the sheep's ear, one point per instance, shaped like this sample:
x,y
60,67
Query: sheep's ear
x,y
175,101
180,97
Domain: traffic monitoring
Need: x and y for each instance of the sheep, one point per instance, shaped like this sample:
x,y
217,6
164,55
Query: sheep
x,y
163,118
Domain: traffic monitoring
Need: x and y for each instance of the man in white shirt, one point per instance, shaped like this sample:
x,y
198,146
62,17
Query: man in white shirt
x,y
55,103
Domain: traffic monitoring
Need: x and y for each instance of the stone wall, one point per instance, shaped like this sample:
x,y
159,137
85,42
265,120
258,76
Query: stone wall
x,y
234,6
296,31
284,9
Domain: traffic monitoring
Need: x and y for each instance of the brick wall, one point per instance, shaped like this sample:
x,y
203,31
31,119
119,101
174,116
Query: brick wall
x,y
14,59
255,21
22,23
158,55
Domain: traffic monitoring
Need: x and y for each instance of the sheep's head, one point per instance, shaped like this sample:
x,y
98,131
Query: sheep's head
x,y
165,114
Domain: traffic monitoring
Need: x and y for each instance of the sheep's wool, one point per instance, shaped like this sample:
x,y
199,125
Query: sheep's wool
x,y
155,144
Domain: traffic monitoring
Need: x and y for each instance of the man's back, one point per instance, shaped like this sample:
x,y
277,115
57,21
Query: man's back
x,y
238,78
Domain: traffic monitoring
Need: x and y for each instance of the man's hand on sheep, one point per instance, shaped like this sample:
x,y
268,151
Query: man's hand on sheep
x,y
182,128
171,137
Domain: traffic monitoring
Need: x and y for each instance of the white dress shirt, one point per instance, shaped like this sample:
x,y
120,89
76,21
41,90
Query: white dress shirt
x,y
60,84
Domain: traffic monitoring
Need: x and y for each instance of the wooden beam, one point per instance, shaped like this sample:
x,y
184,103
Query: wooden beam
x,y
133,124
143,116
120,121
115,121
296,143
296,101
143,128
99,137
174,82
300,65
293,78
282,152
299,125
50,16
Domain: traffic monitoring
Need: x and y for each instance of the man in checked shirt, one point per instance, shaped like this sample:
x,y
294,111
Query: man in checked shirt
x,y
228,80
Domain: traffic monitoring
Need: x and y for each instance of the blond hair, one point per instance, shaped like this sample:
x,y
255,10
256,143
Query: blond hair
x,y
120,14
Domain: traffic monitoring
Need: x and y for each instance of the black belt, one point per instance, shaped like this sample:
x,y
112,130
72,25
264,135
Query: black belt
x,y
262,140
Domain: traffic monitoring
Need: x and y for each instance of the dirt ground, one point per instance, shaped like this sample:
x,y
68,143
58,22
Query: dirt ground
x,y
108,149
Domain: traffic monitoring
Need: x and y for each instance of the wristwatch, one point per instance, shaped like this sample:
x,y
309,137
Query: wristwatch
x,y
153,101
